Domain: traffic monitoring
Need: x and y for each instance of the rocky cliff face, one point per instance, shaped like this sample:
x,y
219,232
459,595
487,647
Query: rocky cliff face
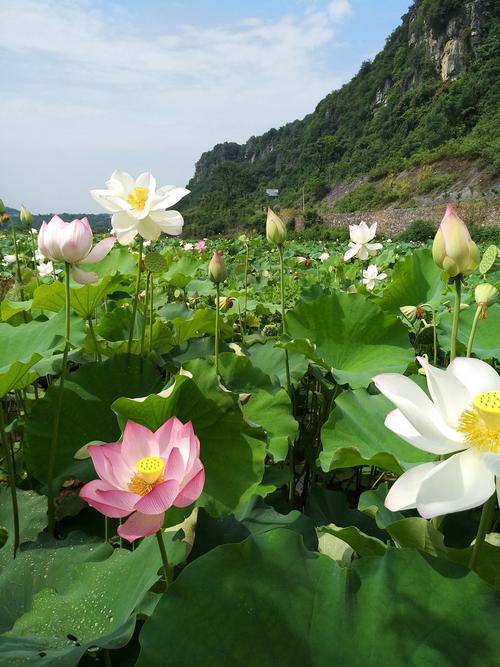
x,y
449,42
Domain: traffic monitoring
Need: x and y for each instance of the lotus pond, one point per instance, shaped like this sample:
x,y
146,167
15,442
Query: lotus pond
x,y
249,451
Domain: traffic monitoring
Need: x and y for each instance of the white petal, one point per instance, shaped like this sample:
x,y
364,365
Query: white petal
x,y
363,252
492,461
126,236
170,222
417,407
146,180
403,493
398,424
364,232
460,483
381,276
123,221
110,200
121,182
373,247
449,395
475,375
372,231
168,196
355,234
370,284
149,229
353,250
99,251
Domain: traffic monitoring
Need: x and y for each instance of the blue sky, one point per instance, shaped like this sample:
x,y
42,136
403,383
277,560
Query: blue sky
x,y
89,86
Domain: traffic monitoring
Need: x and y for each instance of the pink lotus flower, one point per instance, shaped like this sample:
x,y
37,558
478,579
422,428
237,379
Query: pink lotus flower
x,y
71,242
200,246
146,474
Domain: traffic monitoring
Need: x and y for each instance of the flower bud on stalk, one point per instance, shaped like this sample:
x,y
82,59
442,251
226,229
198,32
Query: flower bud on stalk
x,y
453,249
26,217
485,295
217,271
275,228
4,216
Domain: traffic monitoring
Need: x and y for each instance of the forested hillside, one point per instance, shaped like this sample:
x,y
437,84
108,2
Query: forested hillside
x,y
430,95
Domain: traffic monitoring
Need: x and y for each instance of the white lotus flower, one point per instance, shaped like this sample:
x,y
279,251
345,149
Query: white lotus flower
x,y
324,256
45,268
138,208
188,246
463,416
371,275
10,259
360,245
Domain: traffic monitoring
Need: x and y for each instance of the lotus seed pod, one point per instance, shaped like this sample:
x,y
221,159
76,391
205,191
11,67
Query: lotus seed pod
x,y
486,294
410,312
154,262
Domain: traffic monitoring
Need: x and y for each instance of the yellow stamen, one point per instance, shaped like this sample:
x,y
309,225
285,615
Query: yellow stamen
x,y
137,197
149,474
481,426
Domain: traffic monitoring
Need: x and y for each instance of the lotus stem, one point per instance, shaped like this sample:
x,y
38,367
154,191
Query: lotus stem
x,y
283,321
33,252
136,297
57,416
11,477
456,315
151,311
143,334
473,330
245,303
167,568
94,339
217,297
484,525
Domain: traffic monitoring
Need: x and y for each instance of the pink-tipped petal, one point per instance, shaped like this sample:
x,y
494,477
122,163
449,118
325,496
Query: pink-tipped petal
x,y
159,499
99,251
109,464
138,443
140,525
166,435
107,500
175,466
83,277
192,490
75,240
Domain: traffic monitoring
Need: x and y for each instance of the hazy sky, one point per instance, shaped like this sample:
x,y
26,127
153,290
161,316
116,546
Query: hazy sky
x,y
88,86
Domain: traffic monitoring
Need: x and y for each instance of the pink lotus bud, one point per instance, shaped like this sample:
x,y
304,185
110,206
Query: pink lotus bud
x,y
217,271
453,249
275,228
71,242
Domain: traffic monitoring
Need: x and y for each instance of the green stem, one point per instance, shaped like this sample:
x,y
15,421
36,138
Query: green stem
x,y
143,334
167,568
245,304
11,477
473,330
151,311
33,252
434,332
484,525
106,529
136,297
94,339
217,296
283,321
456,315
57,417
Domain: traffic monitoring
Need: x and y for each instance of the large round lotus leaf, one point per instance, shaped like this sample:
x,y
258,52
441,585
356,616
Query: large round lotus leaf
x,y
268,601
355,435
86,413
271,360
487,339
61,598
416,279
352,336
232,450
32,519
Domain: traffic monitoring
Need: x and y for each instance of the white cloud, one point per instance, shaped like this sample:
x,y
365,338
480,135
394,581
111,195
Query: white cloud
x,y
89,92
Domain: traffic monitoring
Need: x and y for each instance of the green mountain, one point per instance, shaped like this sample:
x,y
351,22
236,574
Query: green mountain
x,y
427,107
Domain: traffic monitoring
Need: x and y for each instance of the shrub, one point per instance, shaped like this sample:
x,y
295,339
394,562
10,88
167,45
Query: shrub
x,y
419,230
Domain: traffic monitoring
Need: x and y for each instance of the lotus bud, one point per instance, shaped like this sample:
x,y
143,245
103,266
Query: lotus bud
x,y
453,249
410,312
25,216
275,228
4,216
485,295
217,271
